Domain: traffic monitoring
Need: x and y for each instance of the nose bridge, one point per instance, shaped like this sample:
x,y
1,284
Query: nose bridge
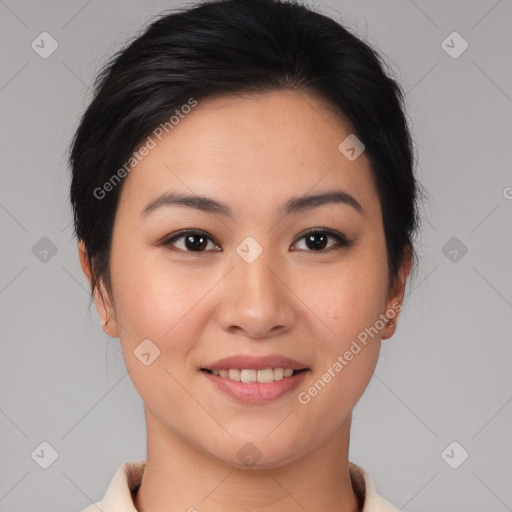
x,y
256,300
255,269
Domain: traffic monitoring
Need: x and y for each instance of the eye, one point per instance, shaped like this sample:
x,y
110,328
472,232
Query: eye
x,y
197,241
193,241
316,240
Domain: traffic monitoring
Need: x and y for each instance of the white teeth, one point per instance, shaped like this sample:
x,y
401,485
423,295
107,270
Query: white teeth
x,y
249,375
234,374
266,375
278,373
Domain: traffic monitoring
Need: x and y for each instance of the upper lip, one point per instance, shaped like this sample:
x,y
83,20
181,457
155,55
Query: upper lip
x,y
255,362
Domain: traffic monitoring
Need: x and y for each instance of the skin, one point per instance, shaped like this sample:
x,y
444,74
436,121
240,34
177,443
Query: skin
x,y
252,152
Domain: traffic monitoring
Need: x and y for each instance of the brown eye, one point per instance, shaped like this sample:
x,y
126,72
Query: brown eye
x,y
193,241
317,240
198,241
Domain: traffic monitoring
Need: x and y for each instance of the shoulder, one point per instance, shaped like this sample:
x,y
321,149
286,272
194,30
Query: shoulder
x,y
365,489
119,494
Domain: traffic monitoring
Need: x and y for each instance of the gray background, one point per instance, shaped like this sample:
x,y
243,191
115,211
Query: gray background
x,y
445,375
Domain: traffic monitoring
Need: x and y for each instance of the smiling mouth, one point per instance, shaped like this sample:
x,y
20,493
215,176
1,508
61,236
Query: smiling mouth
x,y
263,376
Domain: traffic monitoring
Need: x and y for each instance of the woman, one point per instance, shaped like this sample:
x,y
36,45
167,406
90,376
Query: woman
x,y
245,205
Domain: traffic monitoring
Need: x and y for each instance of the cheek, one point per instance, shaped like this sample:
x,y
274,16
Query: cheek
x,y
152,295
156,302
346,297
356,299
346,305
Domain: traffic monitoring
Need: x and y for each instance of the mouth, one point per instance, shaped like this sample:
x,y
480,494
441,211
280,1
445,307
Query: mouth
x,y
251,375
255,378
255,386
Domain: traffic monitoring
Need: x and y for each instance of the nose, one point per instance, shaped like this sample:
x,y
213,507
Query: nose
x,y
257,298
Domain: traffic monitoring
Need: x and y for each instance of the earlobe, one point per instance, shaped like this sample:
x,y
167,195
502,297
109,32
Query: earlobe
x,y
101,300
396,298
105,311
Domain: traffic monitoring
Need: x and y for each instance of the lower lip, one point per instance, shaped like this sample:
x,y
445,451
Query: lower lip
x,y
255,392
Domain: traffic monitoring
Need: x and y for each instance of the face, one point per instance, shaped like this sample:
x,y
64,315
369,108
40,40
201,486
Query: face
x,y
193,285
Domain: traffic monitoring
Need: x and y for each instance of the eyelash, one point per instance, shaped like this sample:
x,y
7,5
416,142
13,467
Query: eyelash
x,y
341,240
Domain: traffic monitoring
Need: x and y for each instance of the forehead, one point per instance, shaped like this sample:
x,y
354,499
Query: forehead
x,y
252,150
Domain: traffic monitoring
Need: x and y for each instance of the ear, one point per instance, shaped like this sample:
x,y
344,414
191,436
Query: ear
x,y
396,294
102,300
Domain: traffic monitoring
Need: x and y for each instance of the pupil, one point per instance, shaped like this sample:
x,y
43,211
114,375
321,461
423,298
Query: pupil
x,y
189,242
314,239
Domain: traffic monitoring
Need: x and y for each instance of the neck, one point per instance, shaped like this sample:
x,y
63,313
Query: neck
x,y
178,476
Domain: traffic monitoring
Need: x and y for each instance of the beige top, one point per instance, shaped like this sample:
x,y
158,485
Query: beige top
x,y
119,495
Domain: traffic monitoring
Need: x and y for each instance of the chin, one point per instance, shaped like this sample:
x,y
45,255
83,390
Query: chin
x,y
259,453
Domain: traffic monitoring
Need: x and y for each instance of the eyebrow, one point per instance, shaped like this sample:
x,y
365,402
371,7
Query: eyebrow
x,y
293,205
